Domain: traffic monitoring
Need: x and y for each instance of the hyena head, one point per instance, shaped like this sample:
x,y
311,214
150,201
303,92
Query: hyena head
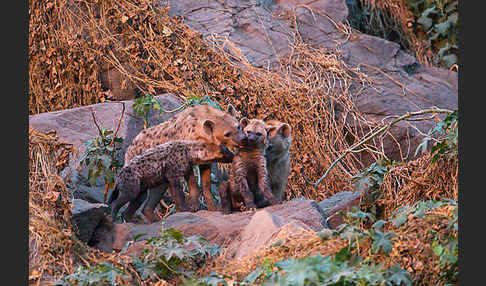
x,y
256,133
222,128
205,153
279,137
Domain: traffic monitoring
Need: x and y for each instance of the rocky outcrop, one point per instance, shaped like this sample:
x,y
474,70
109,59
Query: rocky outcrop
x,y
241,232
86,218
76,126
263,31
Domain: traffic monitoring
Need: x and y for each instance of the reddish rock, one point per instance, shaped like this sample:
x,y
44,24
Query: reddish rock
x,y
340,202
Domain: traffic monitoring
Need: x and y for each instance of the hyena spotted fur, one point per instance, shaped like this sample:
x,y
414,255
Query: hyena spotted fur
x,y
163,165
201,123
248,179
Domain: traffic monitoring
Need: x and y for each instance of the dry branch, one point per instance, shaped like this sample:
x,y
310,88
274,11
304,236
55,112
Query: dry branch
x,y
353,149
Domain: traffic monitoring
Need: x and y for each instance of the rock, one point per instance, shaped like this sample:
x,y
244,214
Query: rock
x,y
239,230
86,217
260,30
342,201
76,126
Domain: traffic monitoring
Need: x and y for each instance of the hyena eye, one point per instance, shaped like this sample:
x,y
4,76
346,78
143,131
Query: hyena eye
x,y
259,134
227,134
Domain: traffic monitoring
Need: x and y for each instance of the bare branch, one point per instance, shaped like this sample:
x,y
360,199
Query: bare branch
x,y
376,133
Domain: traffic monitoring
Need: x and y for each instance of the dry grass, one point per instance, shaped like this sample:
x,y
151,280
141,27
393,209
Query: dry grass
x,y
54,250
312,89
408,183
398,11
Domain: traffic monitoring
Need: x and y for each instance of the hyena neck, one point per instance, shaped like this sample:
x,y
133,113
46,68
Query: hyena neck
x,y
202,153
251,152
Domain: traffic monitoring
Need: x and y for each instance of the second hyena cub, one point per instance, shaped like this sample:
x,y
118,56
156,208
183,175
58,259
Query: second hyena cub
x,y
163,165
277,154
248,179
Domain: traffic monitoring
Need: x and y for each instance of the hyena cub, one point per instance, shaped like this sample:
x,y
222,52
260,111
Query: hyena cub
x,y
163,165
248,180
277,154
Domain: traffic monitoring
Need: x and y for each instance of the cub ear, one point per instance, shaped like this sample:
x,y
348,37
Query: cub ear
x,y
244,122
271,131
285,130
208,127
232,111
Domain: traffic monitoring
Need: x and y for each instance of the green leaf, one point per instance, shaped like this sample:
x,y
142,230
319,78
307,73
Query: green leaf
x,y
399,276
401,215
381,241
442,27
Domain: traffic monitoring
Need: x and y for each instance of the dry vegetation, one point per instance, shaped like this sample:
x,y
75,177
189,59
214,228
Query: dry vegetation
x,y
72,41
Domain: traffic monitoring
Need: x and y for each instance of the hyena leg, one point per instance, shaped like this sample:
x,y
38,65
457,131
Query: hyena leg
x,y
177,194
264,183
154,197
194,191
225,194
239,185
128,190
135,204
205,171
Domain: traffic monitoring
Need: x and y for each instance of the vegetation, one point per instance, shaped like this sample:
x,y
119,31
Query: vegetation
x,y
404,233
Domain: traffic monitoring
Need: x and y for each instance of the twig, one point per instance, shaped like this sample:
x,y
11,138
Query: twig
x,y
119,123
378,132
94,119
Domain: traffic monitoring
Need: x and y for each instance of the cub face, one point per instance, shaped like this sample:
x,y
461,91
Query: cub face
x,y
256,132
279,137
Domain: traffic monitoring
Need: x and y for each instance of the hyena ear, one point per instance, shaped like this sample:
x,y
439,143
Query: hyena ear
x,y
285,130
208,127
232,111
244,122
271,131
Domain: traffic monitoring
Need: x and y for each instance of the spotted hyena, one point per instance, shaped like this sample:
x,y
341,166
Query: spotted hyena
x,y
248,179
163,165
277,155
201,123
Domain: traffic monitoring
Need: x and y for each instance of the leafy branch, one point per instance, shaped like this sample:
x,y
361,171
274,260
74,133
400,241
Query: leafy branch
x,y
100,154
355,147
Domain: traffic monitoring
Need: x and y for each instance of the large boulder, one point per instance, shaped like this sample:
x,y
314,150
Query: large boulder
x,y
243,232
86,218
337,203
263,33
76,126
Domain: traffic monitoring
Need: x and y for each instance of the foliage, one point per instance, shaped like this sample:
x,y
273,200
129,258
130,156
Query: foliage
x,y
142,105
101,157
342,269
447,133
195,100
100,274
169,254
438,27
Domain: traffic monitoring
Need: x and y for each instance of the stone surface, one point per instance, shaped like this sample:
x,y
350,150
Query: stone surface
x,y
231,231
86,217
262,31
76,126
342,201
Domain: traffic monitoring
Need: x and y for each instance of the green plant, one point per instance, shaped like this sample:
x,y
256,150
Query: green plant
x,y
342,269
142,105
438,26
448,251
101,274
446,142
171,254
195,100
101,157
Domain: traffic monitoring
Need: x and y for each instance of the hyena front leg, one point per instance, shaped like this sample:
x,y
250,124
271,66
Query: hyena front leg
x,y
177,194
